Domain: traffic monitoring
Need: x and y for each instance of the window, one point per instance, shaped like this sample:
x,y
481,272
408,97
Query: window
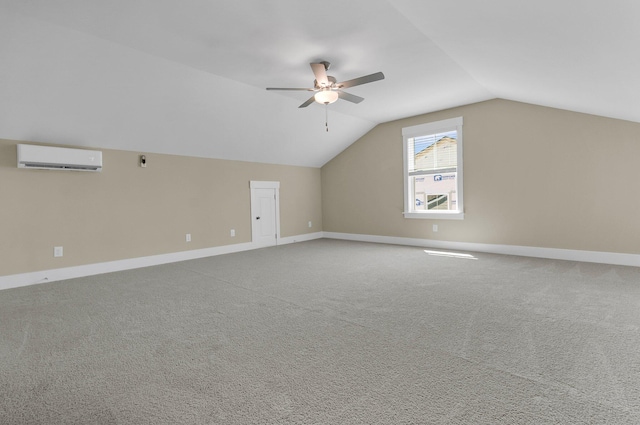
x,y
433,170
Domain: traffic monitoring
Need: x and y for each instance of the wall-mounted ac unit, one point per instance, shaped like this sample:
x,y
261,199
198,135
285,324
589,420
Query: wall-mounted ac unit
x,y
53,158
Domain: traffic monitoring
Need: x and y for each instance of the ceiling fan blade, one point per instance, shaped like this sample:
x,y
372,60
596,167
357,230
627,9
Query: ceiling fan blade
x,y
308,102
321,73
349,97
288,88
361,80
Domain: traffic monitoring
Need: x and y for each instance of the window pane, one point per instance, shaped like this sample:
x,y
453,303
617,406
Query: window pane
x,y
435,191
433,152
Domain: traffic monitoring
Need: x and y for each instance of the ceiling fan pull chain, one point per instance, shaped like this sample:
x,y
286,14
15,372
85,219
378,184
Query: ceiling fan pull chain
x,y
326,116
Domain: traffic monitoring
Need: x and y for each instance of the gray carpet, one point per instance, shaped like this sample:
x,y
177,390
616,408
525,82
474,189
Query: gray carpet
x,y
327,332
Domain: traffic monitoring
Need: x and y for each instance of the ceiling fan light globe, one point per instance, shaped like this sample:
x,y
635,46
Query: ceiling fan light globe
x,y
326,97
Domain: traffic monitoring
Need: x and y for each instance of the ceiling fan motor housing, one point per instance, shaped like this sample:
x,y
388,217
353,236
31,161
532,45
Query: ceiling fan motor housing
x,y
332,82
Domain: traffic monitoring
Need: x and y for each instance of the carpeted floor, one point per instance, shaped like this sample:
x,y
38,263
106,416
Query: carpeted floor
x,y
327,332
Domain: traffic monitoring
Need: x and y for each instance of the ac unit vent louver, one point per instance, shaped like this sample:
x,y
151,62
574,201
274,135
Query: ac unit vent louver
x,y
54,158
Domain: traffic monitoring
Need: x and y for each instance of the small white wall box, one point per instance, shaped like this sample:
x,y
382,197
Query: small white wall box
x,y
54,158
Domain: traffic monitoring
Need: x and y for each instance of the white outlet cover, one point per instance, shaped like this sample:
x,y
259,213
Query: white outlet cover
x,y
58,251
435,227
188,237
233,232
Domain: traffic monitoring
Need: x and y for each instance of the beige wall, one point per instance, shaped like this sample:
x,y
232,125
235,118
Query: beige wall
x,y
533,176
127,211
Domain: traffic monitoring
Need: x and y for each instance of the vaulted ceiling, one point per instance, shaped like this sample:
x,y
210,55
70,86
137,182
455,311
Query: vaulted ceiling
x,y
188,77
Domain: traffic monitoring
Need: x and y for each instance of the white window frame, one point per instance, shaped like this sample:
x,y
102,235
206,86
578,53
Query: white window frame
x,y
423,130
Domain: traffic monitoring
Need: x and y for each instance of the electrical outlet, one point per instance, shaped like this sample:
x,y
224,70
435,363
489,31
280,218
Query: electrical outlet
x,y
188,237
435,227
233,233
309,224
57,251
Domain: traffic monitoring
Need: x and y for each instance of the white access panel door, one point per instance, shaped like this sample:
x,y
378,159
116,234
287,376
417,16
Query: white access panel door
x,y
264,215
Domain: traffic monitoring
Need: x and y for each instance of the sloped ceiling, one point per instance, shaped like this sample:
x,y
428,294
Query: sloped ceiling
x,y
189,77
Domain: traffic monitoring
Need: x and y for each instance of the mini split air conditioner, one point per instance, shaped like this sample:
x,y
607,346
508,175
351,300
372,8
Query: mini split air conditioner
x,y
53,158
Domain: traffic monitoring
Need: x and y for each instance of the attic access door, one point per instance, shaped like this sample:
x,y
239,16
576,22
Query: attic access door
x,y
265,213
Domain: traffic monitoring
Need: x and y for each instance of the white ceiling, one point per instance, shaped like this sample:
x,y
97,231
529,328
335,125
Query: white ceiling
x,y
188,77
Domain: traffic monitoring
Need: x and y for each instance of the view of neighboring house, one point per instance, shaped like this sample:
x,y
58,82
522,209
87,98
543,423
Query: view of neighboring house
x,y
436,163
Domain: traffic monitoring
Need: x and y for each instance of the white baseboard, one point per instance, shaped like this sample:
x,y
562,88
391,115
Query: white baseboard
x,y
300,238
525,251
44,276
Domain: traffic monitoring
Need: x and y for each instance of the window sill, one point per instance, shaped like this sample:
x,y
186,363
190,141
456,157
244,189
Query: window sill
x,y
435,215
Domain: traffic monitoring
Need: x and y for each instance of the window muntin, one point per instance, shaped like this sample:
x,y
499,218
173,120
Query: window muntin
x,y
433,170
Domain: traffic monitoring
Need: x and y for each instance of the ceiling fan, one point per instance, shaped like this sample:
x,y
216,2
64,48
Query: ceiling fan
x,y
328,90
